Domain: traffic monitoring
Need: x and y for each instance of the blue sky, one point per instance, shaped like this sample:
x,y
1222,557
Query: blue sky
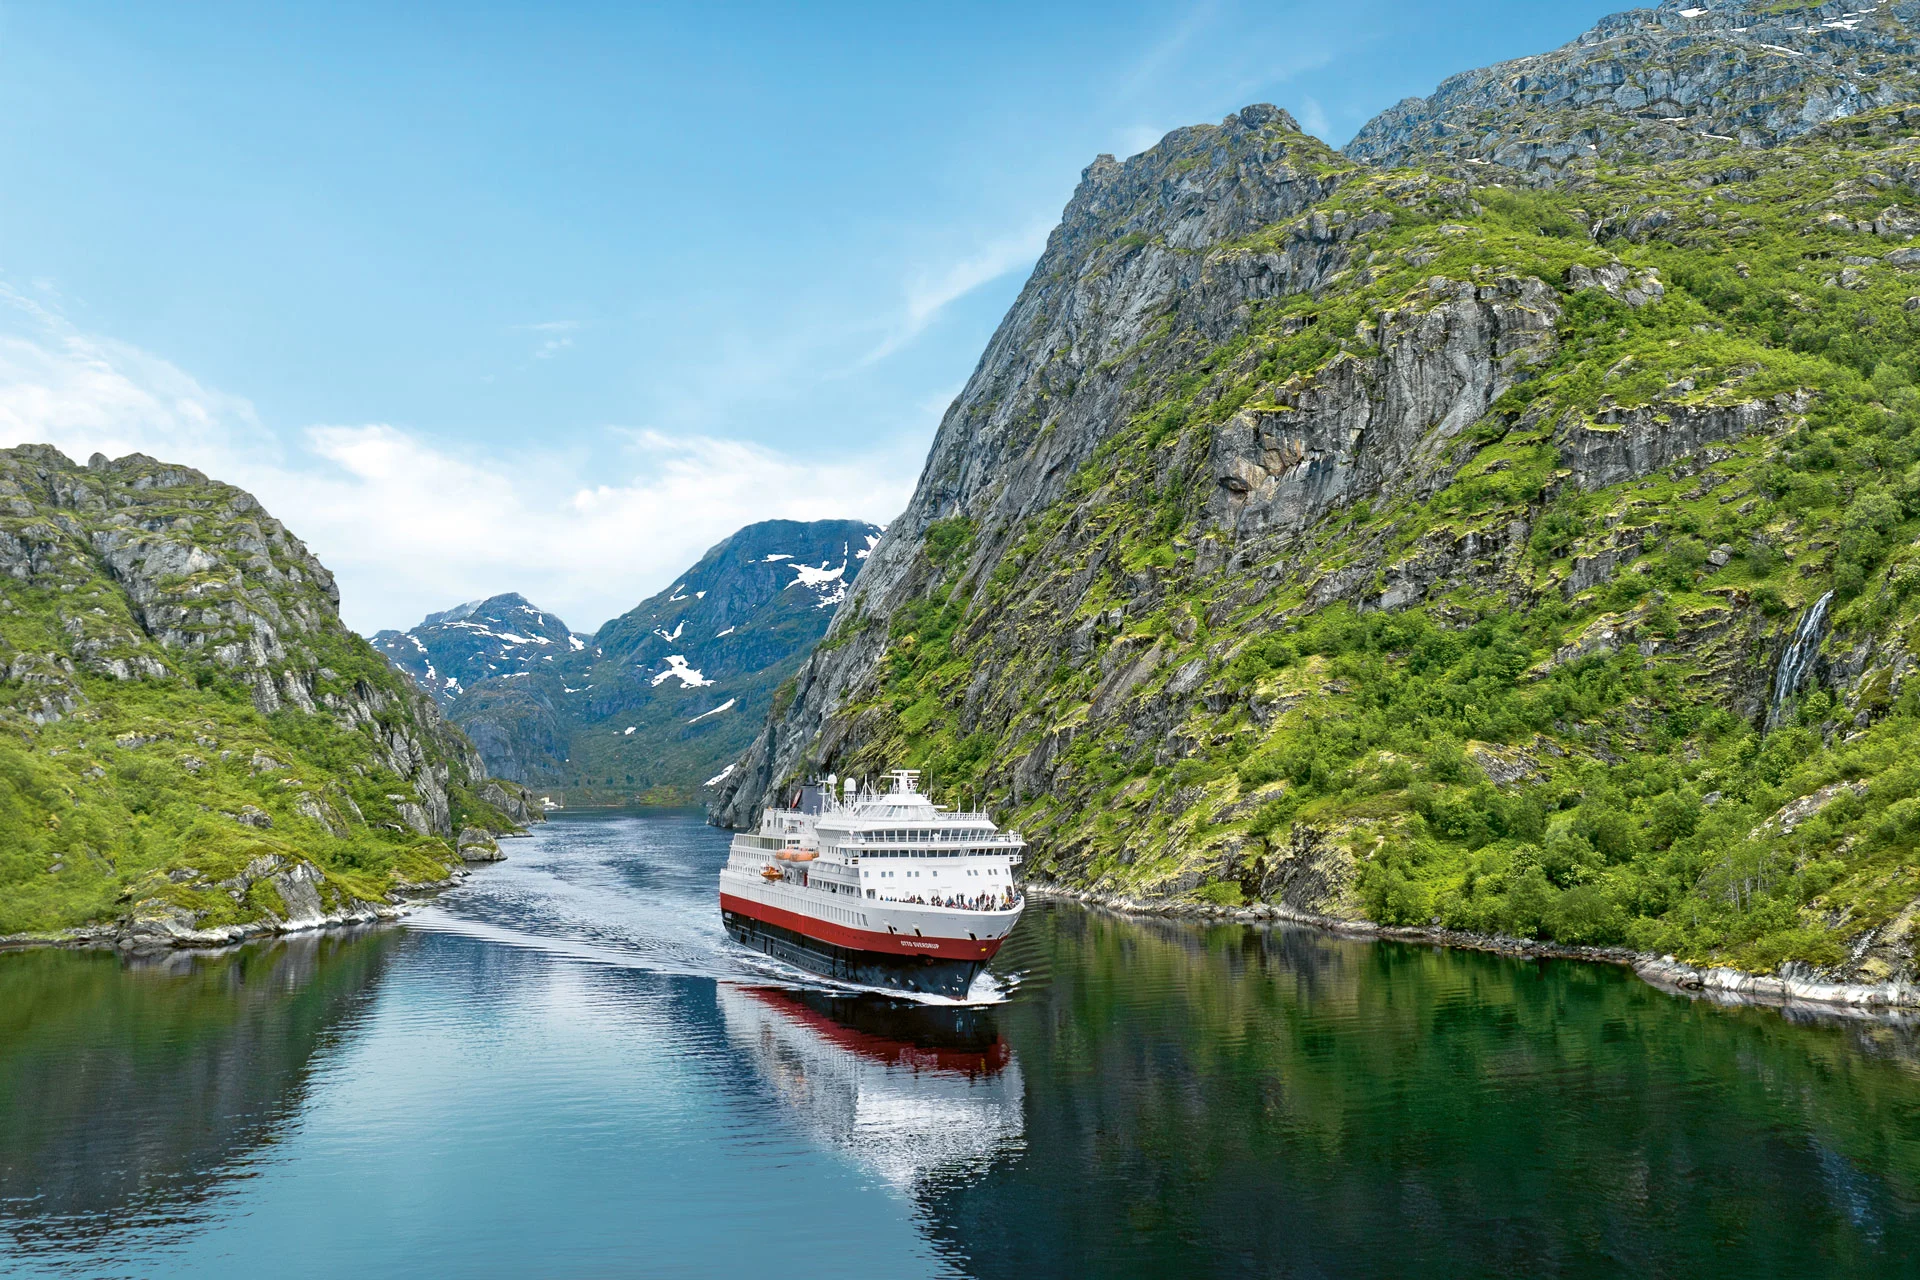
x,y
550,297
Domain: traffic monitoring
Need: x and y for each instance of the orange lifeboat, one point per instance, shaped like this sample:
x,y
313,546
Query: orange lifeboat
x,y
796,855
769,873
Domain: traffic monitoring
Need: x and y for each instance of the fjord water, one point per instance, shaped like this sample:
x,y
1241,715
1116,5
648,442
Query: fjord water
x,y
565,1068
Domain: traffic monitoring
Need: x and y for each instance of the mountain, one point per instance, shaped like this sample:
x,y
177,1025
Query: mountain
x,y
663,697
1685,79
1521,548
192,744
502,637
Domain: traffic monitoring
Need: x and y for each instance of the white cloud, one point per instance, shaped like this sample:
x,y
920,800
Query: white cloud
x,y
930,292
409,525
61,386
557,336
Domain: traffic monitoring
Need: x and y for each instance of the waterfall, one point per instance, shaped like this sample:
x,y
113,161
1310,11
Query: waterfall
x,y
1797,661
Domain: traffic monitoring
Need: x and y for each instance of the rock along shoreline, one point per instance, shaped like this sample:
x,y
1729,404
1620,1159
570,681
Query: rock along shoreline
x,y
1796,985
149,935
165,927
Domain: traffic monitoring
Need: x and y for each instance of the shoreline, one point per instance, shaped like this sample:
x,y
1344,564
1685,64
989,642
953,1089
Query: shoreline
x,y
152,936
1722,985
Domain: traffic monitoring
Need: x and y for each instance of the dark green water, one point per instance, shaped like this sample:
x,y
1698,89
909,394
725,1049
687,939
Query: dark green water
x,y
565,1068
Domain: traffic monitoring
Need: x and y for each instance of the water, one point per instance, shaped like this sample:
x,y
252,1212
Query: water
x,y
1798,659
564,1068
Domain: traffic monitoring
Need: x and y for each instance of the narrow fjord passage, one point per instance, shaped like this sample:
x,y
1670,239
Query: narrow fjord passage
x,y
564,1067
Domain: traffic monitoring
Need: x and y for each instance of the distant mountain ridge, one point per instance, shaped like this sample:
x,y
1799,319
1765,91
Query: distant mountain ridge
x,y
662,698
500,636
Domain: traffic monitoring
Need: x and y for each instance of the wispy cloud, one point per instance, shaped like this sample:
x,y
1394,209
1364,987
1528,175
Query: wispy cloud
x,y
1237,53
930,292
1314,120
58,383
555,336
1155,62
409,524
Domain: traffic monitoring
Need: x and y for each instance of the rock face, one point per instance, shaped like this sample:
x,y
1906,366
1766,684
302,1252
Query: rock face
x,y
1375,537
663,697
1684,79
180,697
1360,426
1178,245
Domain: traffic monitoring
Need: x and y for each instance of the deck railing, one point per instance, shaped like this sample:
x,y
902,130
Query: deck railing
x,y
873,839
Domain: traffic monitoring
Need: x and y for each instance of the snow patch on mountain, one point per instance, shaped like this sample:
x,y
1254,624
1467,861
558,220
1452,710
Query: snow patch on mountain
x,y
677,668
829,584
728,705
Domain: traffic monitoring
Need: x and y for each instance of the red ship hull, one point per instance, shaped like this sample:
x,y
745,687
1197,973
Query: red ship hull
x,y
932,966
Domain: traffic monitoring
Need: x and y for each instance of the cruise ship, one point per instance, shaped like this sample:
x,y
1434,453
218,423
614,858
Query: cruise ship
x,y
878,887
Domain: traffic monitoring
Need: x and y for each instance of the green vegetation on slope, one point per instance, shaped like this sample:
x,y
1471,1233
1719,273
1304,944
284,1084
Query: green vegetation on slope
x,y
1561,730
184,719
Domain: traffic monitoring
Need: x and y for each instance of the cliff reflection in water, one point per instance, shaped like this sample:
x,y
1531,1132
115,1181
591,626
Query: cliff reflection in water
x,y
920,1095
1230,1100
129,1089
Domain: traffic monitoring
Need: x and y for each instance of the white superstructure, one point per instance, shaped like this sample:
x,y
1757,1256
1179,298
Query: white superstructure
x,y
882,871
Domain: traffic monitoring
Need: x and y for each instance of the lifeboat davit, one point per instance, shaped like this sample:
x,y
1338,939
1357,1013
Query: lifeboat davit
x,y
796,855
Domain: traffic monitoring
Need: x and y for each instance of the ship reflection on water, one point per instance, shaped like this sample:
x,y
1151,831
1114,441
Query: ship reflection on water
x,y
919,1095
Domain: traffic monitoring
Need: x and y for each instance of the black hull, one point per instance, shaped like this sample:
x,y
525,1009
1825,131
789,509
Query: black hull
x,y
922,975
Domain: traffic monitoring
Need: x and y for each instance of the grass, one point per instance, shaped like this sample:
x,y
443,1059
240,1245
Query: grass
x,y
1643,815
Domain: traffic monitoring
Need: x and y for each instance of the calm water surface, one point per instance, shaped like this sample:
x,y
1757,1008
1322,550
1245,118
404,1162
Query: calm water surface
x,y
565,1068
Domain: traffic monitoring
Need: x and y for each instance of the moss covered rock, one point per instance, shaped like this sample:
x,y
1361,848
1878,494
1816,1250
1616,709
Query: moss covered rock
x,y
1413,545
192,745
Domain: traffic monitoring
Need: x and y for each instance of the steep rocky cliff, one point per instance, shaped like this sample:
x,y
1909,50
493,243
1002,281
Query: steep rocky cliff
x,y
1394,543
190,740
662,698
